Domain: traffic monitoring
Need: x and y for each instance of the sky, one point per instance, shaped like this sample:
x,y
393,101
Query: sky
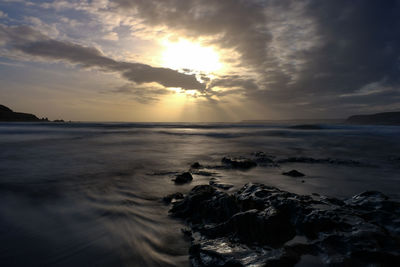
x,y
199,60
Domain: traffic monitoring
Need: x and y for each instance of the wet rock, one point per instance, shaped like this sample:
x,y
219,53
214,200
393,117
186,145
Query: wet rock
x,y
220,185
239,163
293,173
205,204
183,178
264,159
172,197
270,227
259,225
196,165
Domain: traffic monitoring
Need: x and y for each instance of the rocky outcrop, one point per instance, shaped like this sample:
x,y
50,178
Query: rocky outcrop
x,y
263,226
6,114
220,185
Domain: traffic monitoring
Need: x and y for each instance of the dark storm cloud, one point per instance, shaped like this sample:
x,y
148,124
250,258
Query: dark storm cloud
x,y
232,81
305,52
360,45
33,43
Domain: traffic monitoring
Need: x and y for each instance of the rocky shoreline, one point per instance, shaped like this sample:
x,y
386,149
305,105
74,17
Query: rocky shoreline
x,y
260,225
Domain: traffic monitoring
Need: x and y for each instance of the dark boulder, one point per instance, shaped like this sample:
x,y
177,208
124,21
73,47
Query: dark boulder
x,y
196,165
293,173
183,178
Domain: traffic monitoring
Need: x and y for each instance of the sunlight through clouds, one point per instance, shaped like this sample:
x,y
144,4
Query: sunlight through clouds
x,y
184,54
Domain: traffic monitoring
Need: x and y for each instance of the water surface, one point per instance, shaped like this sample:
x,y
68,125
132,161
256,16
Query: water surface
x,y
89,193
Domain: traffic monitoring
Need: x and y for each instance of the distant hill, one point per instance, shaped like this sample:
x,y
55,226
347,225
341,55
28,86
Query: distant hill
x,y
386,118
295,121
6,114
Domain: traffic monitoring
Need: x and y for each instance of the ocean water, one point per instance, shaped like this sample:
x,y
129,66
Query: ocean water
x,y
89,194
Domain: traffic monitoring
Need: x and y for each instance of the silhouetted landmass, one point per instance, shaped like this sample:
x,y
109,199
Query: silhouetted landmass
x,y
6,114
386,118
295,121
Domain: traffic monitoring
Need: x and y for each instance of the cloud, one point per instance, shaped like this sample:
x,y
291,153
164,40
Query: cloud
x,y
306,51
144,95
299,57
112,36
233,24
232,81
33,43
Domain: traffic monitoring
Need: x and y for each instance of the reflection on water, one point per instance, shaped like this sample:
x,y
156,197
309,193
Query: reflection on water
x,y
86,194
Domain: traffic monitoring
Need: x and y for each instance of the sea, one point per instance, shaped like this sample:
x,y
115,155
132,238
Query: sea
x,y
90,194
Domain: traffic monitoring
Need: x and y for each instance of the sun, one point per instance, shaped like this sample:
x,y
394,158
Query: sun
x,y
184,54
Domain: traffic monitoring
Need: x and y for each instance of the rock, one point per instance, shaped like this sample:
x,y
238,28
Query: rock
x,y
239,163
196,165
172,197
183,178
259,225
293,173
221,186
259,154
5,109
264,159
205,204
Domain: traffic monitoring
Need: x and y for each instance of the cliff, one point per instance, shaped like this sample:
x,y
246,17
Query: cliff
x,y
386,118
6,114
